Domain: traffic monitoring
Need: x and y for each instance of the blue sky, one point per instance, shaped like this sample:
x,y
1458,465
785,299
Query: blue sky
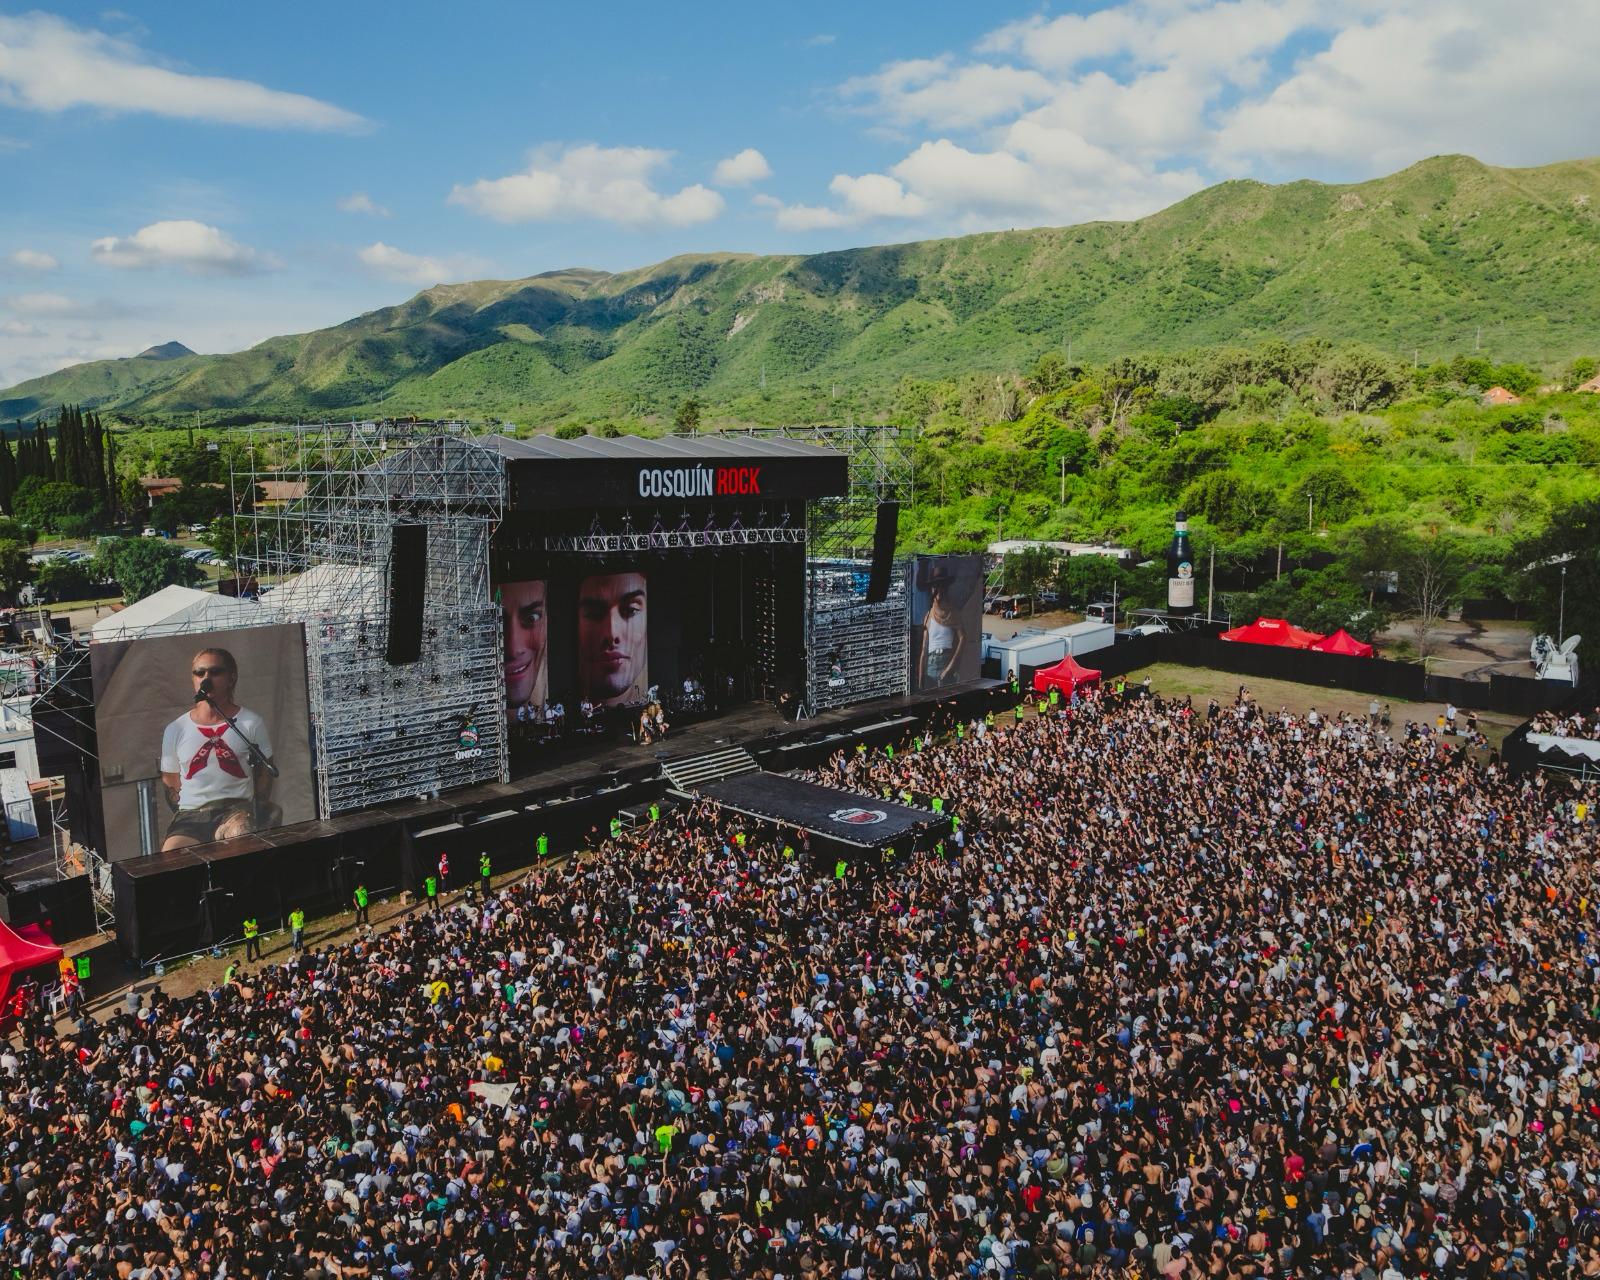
x,y
217,174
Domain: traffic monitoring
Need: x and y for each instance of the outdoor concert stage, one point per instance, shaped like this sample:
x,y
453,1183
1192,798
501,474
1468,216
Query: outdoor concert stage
x,y
172,904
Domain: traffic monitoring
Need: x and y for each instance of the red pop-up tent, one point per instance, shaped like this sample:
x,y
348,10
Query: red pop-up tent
x,y
1273,631
1066,675
17,954
1341,641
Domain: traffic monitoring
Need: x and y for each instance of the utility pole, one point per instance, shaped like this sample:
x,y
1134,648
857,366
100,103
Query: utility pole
x,y
1477,343
1561,616
1211,582
1309,501
1279,574
1063,480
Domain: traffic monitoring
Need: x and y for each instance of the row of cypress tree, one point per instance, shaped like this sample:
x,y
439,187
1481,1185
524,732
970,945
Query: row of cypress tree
x,y
84,455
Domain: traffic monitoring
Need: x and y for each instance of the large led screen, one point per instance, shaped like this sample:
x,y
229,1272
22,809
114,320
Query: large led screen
x,y
946,620
174,772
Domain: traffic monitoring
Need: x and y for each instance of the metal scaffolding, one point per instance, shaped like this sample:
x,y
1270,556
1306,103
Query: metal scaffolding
x,y
63,707
855,651
315,509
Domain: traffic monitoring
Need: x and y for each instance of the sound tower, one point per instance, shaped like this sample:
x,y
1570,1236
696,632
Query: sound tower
x,y
883,551
408,577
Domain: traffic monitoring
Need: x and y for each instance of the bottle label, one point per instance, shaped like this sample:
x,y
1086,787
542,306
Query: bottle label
x,y
1180,591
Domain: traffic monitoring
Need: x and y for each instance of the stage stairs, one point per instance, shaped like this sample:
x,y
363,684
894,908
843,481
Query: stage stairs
x,y
702,770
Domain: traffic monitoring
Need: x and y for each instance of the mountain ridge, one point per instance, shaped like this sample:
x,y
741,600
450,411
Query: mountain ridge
x,y
1419,260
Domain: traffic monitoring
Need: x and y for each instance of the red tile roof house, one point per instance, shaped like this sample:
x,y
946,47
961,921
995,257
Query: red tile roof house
x,y
1499,395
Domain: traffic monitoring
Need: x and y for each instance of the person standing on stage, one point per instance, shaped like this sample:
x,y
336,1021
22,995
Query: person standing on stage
x,y
444,871
613,639
205,762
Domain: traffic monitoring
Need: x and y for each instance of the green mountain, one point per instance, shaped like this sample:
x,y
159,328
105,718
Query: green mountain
x,y
1434,259
99,382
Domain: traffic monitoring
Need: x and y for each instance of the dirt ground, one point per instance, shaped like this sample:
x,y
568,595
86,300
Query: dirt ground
x,y
1471,650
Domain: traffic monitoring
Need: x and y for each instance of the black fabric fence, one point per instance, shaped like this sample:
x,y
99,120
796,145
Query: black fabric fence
x,y
1376,677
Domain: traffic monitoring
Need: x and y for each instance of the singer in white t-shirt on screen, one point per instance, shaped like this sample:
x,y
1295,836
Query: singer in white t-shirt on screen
x,y
206,764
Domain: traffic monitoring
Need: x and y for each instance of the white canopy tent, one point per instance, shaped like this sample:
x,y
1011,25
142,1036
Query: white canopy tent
x,y
177,611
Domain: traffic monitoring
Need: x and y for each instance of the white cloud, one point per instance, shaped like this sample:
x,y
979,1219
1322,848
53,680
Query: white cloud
x,y
46,304
819,40
1117,112
183,243
47,64
1507,83
413,268
361,202
20,329
742,169
33,260
577,182
808,217
934,92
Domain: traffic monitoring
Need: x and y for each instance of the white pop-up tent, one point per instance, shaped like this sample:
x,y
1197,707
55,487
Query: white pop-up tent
x,y
176,610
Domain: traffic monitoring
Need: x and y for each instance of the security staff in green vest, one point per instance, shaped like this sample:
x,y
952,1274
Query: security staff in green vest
x,y
1055,696
252,940
1019,712
839,868
484,873
655,812
616,827
1044,706
917,744
297,929
542,845
430,888
938,804
988,718
361,904
888,748
861,748
961,730
1016,685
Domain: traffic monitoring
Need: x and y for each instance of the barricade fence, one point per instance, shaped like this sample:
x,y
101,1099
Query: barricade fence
x,y
1377,677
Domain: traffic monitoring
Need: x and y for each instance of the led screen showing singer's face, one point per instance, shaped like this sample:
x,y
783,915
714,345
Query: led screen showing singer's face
x,y
525,619
612,638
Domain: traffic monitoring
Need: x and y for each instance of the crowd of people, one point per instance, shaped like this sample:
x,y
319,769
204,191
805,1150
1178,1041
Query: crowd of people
x,y
1179,992
1581,722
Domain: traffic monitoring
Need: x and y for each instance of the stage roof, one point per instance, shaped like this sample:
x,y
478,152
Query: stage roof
x,y
842,815
596,471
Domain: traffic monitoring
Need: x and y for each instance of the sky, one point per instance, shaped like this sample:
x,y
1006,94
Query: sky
x,y
216,174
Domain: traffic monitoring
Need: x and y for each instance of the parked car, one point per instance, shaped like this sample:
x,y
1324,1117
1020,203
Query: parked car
x,y
1157,628
1101,611
1048,600
149,532
198,528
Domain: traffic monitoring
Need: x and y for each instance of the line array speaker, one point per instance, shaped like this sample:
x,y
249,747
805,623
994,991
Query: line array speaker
x,y
408,577
883,551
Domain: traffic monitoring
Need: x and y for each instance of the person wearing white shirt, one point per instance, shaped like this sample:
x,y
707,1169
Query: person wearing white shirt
x,y
206,763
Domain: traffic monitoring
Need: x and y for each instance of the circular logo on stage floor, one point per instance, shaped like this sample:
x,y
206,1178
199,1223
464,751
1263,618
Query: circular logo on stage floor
x,y
859,817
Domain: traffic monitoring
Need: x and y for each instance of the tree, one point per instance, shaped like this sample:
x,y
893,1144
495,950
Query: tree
x,y
62,580
689,414
1358,377
1050,374
1022,573
1557,571
1579,372
1430,583
142,566
1082,580
15,570
53,504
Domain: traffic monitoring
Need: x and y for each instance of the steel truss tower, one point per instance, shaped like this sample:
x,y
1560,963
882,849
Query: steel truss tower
x,y
315,508
855,651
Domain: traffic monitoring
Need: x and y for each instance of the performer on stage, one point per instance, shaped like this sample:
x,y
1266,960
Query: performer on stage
x,y
613,639
205,764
